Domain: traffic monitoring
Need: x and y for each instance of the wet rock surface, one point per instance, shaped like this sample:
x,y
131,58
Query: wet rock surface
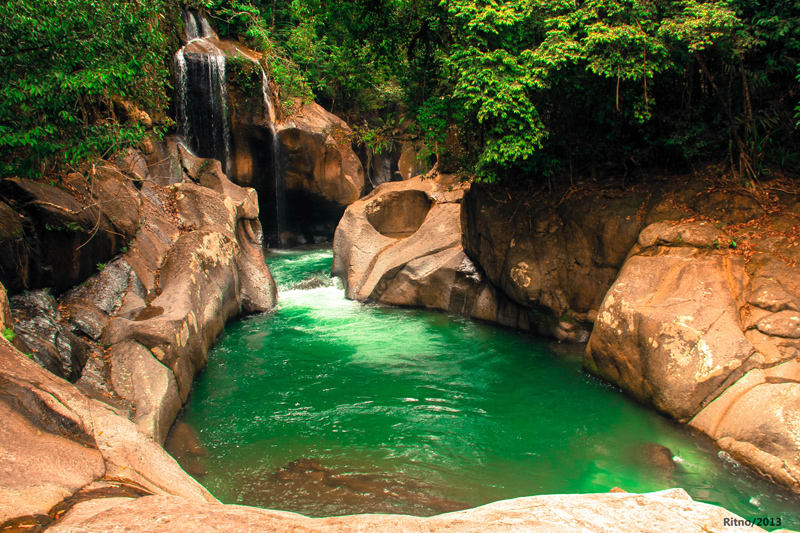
x,y
183,444
51,343
401,161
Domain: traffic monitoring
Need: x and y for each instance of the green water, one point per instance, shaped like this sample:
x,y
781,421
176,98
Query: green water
x,y
394,410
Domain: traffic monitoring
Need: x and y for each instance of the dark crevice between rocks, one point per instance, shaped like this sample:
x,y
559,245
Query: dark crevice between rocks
x,y
309,219
735,376
40,522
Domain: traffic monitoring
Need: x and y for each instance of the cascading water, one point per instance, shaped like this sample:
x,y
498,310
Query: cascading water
x,y
278,189
204,121
201,93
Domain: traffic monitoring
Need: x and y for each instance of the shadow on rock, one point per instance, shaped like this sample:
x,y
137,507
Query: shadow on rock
x,y
185,447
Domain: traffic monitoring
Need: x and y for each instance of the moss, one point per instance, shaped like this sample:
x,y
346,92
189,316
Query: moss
x,y
244,75
204,166
590,366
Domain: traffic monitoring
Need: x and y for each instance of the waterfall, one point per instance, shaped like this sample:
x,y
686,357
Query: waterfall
x,y
191,29
196,26
201,93
204,120
278,189
180,93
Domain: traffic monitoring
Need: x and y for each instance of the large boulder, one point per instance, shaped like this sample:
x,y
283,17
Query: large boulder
x,y
57,443
401,245
317,157
559,261
704,324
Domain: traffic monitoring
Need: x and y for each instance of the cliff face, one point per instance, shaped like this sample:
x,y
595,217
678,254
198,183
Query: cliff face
x,y
557,260
302,166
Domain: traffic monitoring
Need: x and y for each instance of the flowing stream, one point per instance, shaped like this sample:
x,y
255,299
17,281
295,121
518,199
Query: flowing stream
x,y
330,407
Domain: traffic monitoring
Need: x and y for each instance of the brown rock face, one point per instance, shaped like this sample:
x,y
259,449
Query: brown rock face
x,y
319,170
14,261
401,245
317,157
193,260
304,168
398,214
56,442
558,260
62,238
711,339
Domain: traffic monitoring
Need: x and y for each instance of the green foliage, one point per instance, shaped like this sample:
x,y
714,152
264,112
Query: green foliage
x,y
68,226
513,88
61,63
8,334
249,22
243,74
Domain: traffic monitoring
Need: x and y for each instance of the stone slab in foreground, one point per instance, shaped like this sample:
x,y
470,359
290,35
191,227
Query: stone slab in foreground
x,y
657,512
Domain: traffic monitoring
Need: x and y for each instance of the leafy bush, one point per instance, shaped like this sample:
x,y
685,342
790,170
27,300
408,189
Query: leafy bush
x,y
61,64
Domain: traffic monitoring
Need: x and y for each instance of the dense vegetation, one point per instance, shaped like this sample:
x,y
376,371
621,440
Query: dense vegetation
x,y
62,63
518,88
